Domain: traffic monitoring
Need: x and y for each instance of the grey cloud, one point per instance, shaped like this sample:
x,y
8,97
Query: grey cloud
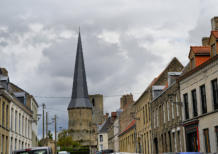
x,y
111,68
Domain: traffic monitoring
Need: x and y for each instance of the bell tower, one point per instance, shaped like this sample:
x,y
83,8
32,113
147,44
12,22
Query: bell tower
x,y
80,107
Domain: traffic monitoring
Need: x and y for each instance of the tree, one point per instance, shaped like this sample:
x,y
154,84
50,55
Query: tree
x,y
65,140
50,135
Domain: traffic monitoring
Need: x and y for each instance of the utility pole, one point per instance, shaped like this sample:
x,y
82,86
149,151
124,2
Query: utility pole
x,y
46,124
43,121
55,134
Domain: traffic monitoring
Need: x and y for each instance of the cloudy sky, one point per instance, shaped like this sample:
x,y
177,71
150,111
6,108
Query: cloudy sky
x,y
126,44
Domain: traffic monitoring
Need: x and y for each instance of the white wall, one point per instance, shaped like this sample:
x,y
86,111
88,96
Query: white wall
x,y
210,119
104,142
26,135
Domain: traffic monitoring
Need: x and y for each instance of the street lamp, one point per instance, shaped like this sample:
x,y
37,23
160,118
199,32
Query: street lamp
x,y
133,114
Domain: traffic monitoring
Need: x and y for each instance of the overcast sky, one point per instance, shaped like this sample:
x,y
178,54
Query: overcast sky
x,y
125,43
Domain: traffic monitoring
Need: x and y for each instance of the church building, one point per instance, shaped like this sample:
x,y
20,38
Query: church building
x,y
85,111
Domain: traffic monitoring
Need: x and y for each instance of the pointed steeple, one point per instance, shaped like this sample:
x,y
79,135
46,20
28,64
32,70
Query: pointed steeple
x,y
79,98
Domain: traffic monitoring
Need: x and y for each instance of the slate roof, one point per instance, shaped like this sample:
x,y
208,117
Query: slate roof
x,y
105,126
155,80
79,98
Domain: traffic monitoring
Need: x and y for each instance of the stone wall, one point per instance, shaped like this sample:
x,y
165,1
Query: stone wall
x,y
98,108
81,127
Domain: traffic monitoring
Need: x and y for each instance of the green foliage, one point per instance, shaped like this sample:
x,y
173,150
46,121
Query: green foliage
x,y
81,150
50,135
40,142
66,143
65,140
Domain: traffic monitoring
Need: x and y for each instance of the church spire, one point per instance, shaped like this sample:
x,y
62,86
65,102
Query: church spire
x,y
79,98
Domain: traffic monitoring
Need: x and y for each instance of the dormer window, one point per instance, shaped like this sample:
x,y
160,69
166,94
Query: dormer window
x,y
21,97
157,90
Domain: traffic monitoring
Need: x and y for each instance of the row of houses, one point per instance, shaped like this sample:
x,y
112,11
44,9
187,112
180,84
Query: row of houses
x,y
18,116
177,112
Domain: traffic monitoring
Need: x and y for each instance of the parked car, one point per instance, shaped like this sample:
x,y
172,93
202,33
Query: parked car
x,y
63,152
35,150
107,151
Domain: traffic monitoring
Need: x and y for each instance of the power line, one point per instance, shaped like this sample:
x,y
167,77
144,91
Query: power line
x,y
67,97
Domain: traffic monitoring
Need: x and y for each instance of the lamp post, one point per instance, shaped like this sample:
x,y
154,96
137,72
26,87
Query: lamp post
x,y
135,118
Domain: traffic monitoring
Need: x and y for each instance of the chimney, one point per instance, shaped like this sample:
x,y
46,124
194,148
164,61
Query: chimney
x,y
4,79
106,116
214,23
125,100
113,115
205,41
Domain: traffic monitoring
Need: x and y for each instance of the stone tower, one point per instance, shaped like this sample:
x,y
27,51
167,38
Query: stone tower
x,y
98,108
80,108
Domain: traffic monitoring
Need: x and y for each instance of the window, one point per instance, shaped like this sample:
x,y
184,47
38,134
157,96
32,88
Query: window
x,y
3,114
203,99
215,93
154,119
22,125
174,140
194,103
216,131
213,50
169,136
12,118
15,126
22,99
93,102
3,141
177,107
186,106
164,116
26,127
15,145
101,138
6,144
144,115
168,111
172,105
160,116
11,143
157,117
7,116
19,122
179,140
206,140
